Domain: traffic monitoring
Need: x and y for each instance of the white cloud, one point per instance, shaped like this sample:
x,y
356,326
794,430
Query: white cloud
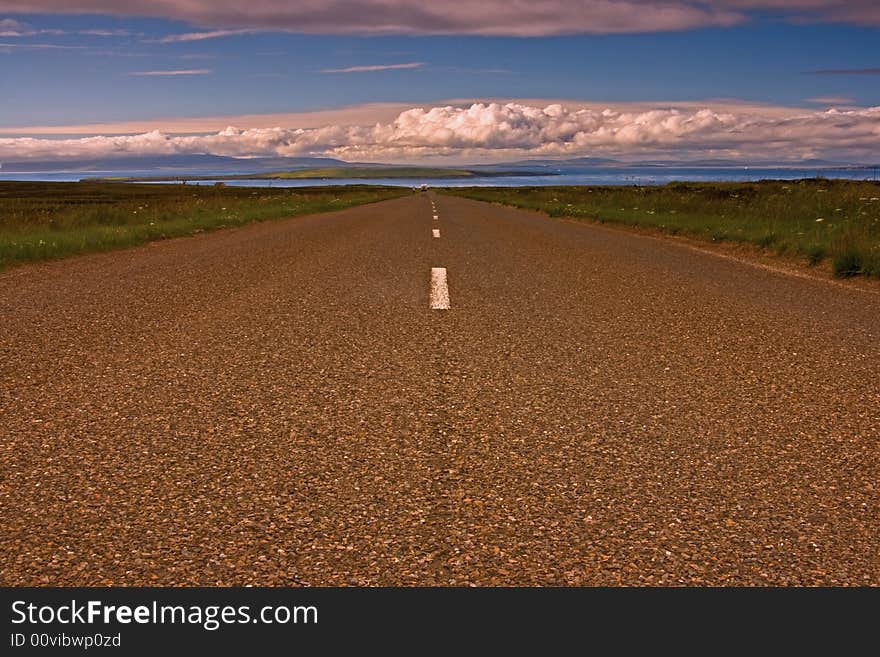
x,y
105,33
13,28
374,67
39,46
497,131
201,36
187,71
831,100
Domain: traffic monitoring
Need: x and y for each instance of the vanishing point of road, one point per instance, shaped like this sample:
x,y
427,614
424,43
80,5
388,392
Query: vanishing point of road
x,y
435,391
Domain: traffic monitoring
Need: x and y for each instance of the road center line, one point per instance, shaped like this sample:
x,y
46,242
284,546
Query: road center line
x,y
436,217
439,289
435,232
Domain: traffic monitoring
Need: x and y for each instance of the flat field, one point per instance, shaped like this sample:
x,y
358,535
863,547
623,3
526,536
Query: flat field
x,y
817,220
42,221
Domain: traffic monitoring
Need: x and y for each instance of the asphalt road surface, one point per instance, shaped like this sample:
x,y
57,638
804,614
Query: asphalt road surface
x,y
282,404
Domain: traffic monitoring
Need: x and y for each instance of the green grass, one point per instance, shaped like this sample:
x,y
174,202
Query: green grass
x,y
41,221
817,220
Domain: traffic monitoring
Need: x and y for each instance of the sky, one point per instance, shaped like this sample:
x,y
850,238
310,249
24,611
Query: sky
x,y
448,81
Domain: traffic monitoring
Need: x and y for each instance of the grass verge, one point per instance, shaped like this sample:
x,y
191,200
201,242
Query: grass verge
x,y
42,221
817,220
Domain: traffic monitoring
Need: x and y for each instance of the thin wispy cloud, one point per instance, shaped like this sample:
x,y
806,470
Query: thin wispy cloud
x,y
374,67
845,71
474,71
106,33
831,100
186,71
10,28
39,46
201,36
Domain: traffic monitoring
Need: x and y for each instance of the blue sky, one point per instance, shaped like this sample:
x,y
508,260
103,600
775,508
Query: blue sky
x,y
764,62
66,70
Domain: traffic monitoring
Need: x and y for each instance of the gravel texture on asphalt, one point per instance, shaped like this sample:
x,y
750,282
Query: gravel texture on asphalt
x,y
277,405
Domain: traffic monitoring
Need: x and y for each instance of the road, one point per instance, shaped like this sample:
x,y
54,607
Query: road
x,y
280,404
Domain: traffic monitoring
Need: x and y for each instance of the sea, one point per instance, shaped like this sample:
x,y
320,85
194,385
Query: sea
x,y
635,175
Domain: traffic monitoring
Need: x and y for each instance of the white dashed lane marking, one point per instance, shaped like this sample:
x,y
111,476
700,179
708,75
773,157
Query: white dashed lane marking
x,y
435,232
439,289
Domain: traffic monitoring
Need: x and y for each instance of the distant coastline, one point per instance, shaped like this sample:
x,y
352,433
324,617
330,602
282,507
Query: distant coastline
x,y
332,173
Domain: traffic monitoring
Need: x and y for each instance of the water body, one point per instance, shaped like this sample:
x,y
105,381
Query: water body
x,y
571,176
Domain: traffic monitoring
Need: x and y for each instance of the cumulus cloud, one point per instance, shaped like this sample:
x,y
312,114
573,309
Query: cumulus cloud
x,y
488,17
495,131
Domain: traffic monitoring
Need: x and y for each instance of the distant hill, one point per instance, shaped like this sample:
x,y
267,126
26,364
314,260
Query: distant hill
x,y
160,162
190,166
571,162
769,164
367,172
587,162
344,172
